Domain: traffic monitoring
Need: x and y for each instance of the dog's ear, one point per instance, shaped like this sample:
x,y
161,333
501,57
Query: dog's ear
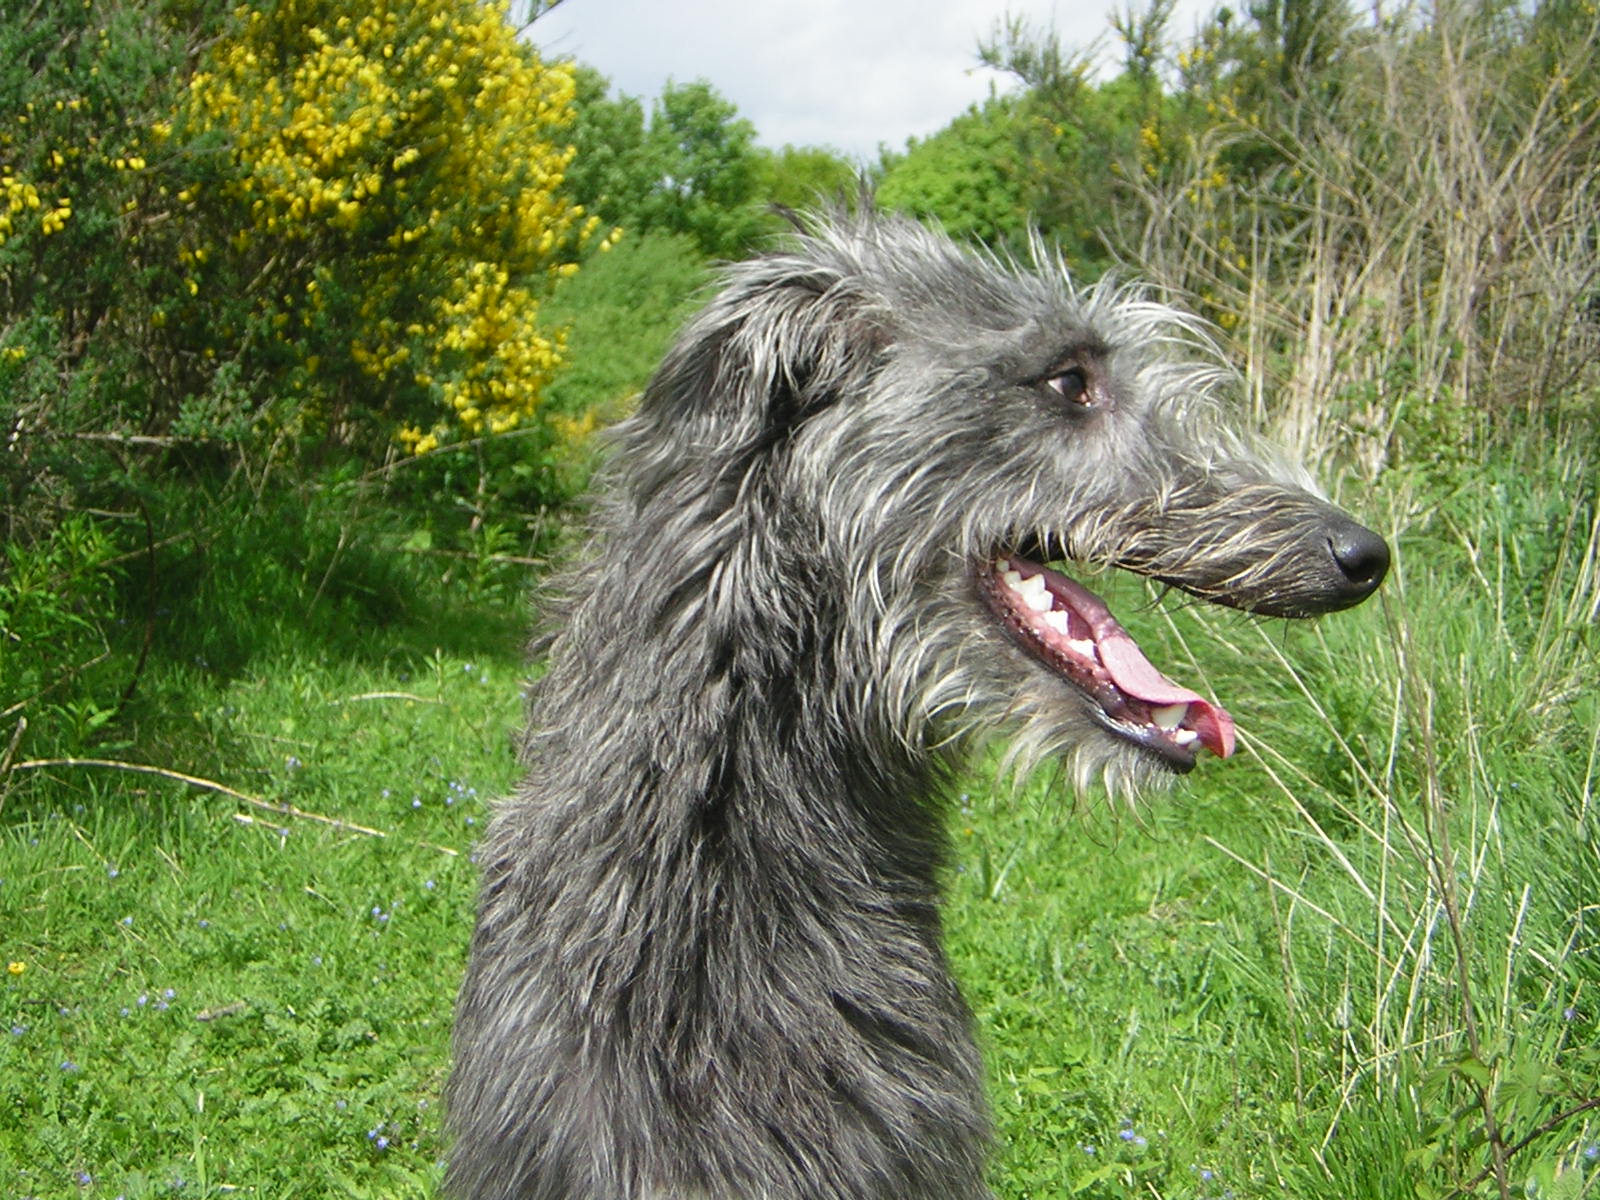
x,y
776,345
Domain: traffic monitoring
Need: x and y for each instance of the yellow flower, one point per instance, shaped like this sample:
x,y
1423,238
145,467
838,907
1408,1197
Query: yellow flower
x,y
16,968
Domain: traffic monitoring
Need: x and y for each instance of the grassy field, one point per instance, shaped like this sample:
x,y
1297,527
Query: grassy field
x,y
1358,960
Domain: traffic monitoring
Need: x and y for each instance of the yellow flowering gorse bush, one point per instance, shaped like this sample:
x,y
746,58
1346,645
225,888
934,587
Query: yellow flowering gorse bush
x,y
17,199
395,169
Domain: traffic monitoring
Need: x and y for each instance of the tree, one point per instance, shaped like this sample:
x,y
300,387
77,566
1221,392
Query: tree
x,y
610,174
693,170
704,159
390,189
801,177
968,177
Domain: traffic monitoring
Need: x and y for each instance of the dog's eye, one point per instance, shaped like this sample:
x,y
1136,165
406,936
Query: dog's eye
x,y
1072,386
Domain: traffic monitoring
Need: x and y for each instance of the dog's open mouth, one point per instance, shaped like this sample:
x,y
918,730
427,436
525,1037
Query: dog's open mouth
x,y
1070,630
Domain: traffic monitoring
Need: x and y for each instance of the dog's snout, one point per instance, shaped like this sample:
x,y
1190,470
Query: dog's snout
x,y
1362,557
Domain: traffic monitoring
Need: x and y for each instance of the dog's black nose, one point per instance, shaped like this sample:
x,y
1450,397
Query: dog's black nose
x,y
1363,557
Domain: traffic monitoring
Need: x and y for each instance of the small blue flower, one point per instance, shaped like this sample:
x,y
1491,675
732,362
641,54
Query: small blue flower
x,y
68,1065
84,1178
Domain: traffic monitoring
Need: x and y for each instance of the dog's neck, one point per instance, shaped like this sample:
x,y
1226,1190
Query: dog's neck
x,y
746,805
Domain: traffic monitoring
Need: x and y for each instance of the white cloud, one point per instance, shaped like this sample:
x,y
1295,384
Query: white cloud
x,y
850,74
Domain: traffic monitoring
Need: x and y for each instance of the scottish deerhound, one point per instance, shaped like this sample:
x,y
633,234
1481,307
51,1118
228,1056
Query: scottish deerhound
x,y
707,964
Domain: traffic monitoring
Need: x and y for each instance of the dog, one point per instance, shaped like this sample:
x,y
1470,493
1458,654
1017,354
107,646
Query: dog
x,y
707,962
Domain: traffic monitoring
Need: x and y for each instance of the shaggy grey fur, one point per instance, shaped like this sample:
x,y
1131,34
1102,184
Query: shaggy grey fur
x,y
707,964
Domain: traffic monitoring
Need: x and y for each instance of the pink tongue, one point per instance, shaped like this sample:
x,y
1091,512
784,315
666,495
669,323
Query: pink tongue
x,y
1134,674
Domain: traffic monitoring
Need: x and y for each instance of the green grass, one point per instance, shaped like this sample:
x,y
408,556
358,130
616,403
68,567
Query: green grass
x,y
325,958
1257,985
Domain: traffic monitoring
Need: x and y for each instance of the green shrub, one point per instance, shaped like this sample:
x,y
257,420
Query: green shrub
x,y
383,218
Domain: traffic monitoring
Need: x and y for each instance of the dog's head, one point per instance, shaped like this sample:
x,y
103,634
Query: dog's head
x,y
919,430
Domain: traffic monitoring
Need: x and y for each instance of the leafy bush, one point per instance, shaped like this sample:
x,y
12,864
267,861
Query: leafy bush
x,y
306,233
384,209
966,177
340,227
1397,219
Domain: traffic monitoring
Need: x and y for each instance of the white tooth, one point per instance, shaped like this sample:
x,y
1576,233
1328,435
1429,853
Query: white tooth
x,y
1034,594
1057,620
1002,565
1012,579
1186,737
1083,648
1169,717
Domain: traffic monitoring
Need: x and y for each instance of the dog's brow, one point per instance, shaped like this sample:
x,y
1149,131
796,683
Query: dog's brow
x,y
1082,351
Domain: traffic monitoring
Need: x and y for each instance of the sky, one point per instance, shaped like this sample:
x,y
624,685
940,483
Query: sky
x,y
848,74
